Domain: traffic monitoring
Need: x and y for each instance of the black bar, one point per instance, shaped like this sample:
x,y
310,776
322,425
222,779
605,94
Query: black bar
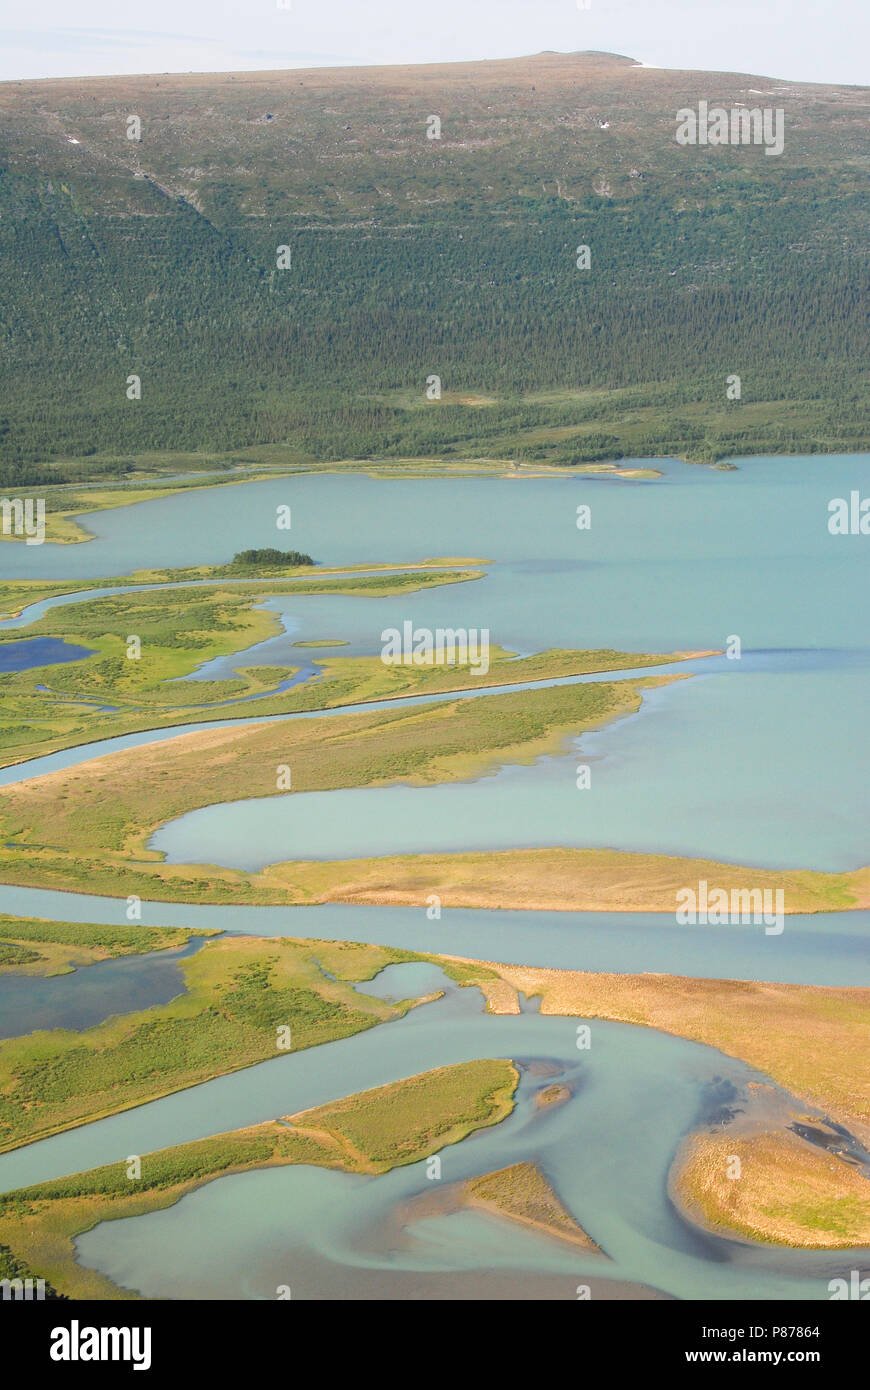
x,y
214,1337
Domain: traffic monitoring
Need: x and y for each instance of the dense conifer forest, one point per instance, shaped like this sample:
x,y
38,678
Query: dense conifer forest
x,y
405,259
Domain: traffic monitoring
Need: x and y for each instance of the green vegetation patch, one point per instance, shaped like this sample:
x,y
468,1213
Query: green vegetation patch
x,y
402,1123
12,1268
98,817
122,687
247,1000
269,558
371,1132
12,955
64,945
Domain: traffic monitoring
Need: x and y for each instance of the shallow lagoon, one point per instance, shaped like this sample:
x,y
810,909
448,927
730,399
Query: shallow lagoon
x,y
769,768
323,1233
764,762
707,768
681,562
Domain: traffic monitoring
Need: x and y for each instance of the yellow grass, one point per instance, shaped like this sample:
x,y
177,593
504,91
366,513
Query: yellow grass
x,y
788,1192
813,1040
559,879
523,1194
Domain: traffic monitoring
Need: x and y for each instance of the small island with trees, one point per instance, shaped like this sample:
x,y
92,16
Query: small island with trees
x,y
269,558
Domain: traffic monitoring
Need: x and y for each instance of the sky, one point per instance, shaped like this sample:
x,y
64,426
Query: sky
x,y
806,40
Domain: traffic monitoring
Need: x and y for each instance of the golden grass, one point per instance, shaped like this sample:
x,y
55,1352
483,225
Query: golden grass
x,y
83,827
789,1192
106,809
523,1194
813,1040
570,880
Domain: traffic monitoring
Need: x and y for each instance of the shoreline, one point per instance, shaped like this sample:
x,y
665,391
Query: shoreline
x,y
74,532
314,711
828,1022
388,470
276,894
765,1136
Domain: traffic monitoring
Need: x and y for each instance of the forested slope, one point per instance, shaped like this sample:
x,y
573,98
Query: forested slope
x,y
413,257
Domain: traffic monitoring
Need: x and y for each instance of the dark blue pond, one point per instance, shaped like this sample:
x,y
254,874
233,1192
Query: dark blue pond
x,y
39,651
91,993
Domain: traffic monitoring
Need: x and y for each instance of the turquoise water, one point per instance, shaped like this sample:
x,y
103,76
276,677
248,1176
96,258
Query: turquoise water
x,y
85,752
769,768
762,761
323,1234
708,768
822,948
683,562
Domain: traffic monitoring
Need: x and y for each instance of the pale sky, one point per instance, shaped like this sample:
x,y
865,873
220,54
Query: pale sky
x,y
808,40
